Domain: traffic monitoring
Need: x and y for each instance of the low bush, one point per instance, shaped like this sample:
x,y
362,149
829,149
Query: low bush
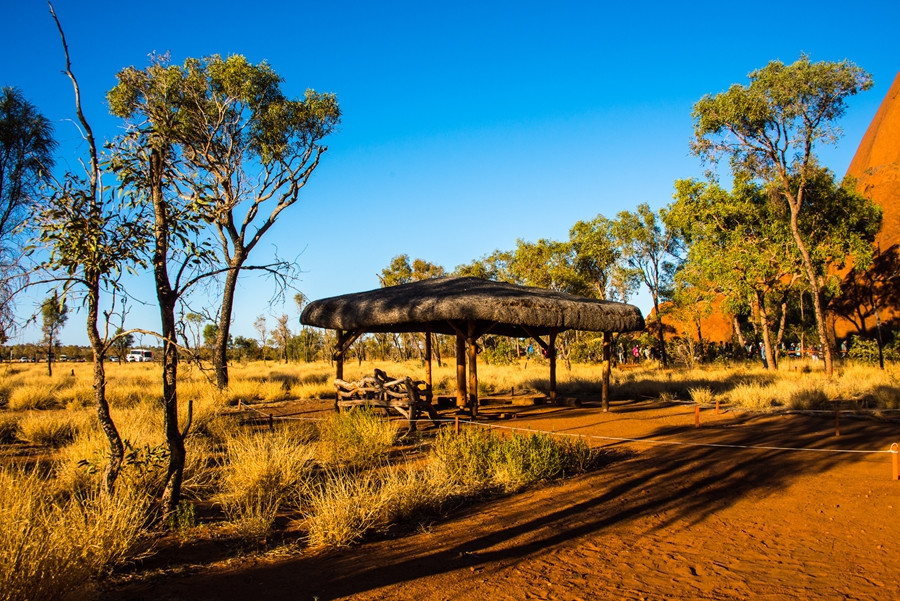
x,y
480,458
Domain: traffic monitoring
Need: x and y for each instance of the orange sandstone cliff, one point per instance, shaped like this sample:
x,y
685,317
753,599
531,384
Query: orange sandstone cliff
x,y
876,167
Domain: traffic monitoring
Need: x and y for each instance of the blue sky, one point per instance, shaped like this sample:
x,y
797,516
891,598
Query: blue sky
x,y
466,125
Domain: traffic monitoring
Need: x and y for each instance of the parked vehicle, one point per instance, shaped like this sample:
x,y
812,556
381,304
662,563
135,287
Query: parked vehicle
x,y
139,355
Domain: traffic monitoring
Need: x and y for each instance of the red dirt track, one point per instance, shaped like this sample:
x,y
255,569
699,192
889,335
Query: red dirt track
x,y
657,522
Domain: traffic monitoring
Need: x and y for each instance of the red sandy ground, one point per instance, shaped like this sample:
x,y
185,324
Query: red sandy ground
x,y
657,522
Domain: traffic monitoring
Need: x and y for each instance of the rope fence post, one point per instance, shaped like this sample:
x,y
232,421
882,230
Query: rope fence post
x,y
837,420
456,426
717,406
697,416
271,423
895,462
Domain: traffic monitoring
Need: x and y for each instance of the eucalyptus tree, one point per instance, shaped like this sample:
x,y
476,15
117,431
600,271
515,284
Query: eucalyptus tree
x,y
148,165
737,248
54,314
770,128
650,252
26,157
496,266
402,271
91,237
246,152
596,254
547,264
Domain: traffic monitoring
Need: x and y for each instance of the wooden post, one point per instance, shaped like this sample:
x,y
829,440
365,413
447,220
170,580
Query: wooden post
x,y
717,406
456,426
338,356
460,371
607,366
471,343
895,462
428,394
837,420
697,417
551,355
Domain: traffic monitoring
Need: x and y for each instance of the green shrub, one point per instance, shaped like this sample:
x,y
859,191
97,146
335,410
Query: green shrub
x,y
480,458
863,350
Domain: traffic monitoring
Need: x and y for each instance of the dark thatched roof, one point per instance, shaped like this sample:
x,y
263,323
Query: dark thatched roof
x,y
497,307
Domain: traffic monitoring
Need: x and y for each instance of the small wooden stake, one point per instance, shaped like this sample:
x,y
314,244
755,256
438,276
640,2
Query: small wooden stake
x,y
837,421
717,406
271,423
456,427
697,417
895,462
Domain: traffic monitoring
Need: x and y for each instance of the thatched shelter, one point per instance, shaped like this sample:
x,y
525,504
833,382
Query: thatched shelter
x,y
470,308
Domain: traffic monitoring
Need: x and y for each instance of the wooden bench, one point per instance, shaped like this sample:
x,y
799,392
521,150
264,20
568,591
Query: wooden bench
x,y
403,395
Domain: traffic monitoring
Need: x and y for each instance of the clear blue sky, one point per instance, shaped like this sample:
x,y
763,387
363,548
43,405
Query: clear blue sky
x,y
466,125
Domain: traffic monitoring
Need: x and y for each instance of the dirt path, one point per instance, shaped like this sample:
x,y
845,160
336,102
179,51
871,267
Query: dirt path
x,y
658,522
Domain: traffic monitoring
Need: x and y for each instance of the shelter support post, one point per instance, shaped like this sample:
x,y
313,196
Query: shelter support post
x,y
604,387
551,355
472,346
344,340
460,371
428,366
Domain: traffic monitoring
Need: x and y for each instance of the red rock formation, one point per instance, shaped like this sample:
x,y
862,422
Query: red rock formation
x,y
876,167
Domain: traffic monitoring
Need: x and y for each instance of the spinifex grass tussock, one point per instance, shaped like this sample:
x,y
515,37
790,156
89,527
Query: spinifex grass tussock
x,y
262,472
354,438
78,395
54,548
9,428
753,395
34,395
701,395
52,428
342,506
806,395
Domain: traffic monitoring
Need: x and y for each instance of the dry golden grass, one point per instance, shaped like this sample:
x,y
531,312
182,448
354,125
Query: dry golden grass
x,y
336,473
53,547
261,472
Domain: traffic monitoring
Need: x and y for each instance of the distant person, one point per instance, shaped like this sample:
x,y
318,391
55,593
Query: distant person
x,y
762,355
636,352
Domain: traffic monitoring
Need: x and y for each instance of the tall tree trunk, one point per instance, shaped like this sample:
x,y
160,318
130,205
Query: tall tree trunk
x,y
98,346
815,290
166,299
220,353
659,325
763,317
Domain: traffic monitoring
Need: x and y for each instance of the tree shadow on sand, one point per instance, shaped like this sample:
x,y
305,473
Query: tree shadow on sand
x,y
652,489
